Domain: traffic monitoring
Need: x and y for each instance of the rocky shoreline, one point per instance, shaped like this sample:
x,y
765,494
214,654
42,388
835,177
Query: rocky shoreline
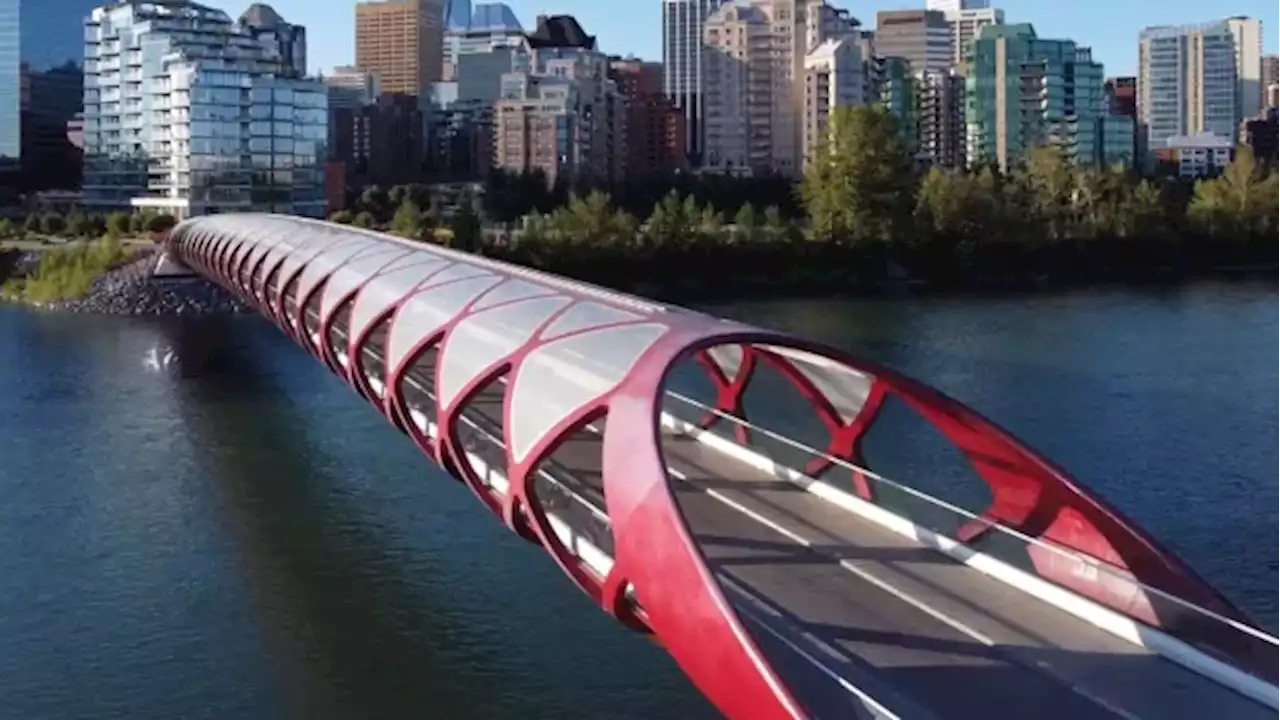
x,y
132,290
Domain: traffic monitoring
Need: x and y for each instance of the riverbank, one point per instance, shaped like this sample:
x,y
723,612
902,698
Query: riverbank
x,y
91,280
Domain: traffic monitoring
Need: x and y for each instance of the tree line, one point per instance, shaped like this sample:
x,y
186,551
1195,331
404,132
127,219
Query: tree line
x,y
80,225
863,215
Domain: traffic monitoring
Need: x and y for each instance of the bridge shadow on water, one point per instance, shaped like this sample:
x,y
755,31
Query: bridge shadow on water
x,y
359,624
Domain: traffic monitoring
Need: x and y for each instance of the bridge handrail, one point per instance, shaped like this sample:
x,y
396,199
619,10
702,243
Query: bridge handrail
x,y
476,425
620,299
999,527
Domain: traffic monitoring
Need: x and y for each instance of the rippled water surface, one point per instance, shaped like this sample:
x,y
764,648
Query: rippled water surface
x,y
240,536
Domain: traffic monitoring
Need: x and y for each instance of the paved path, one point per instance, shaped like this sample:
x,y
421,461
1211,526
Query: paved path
x,y
845,609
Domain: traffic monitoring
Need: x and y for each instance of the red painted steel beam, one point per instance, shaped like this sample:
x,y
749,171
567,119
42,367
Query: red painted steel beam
x,y
655,556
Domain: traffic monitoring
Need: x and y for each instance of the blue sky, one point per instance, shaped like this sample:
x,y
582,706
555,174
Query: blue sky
x,y
633,26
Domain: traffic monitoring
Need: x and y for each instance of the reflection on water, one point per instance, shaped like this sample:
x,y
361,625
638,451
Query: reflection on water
x,y
199,522
241,537
1164,402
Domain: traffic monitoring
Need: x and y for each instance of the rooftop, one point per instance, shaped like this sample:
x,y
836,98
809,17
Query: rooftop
x,y
561,31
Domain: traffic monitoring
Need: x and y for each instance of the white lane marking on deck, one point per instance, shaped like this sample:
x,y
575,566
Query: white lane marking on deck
x,y
881,584
871,704
907,598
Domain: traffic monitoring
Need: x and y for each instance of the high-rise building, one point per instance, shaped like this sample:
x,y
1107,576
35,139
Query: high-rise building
x,y
559,112
402,43
41,88
965,25
1188,83
1122,96
350,88
755,81
653,127
457,14
834,77
684,64
947,6
288,42
894,88
490,26
381,143
921,37
939,119
1025,91
1246,32
1270,80
186,112
1261,135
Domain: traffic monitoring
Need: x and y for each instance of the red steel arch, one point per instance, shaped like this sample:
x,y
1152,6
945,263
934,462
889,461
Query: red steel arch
x,y
569,353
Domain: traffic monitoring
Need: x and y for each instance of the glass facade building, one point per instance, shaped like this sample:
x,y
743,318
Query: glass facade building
x,y
41,53
684,60
1117,140
1024,91
1187,82
188,113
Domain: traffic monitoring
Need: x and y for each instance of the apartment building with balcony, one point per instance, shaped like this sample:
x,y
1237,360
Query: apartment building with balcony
x,y
835,76
939,119
1024,91
187,112
755,81
921,37
684,60
966,24
558,110
1195,79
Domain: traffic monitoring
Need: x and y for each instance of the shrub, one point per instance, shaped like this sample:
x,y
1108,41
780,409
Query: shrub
x,y
161,223
52,224
342,217
118,224
67,273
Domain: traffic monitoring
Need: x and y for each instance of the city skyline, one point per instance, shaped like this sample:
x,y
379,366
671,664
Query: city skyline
x,y
634,27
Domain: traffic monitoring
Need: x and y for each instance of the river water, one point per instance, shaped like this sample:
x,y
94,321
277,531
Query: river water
x,y
240,536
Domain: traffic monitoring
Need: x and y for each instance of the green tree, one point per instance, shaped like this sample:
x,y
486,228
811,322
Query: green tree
x,y
466,226
95,226
1239,204
776,228
161,223
434,213
52,224
1048,182
674,221
77,225
118,224
374,200
956,214
592,222
746,223
31,224
858,182
7,228
407,222
397,195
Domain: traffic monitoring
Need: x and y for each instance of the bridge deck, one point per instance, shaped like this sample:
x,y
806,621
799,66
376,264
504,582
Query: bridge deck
x,y
837,602
902,621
